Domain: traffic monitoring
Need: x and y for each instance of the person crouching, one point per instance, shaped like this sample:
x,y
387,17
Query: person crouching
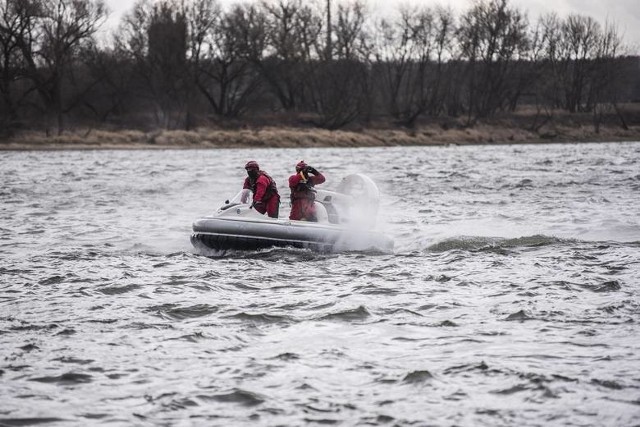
x,y
265,192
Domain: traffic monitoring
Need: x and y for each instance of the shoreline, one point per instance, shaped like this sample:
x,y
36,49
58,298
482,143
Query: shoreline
x,y
289,137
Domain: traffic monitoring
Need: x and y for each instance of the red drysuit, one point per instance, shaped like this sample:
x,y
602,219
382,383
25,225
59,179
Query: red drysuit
x,y
303,195
265,194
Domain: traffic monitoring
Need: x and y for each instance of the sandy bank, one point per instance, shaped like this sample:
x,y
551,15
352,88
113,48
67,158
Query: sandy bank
x,y
279,137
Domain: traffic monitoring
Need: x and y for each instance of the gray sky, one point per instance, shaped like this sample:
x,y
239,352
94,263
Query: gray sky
x,y
625,13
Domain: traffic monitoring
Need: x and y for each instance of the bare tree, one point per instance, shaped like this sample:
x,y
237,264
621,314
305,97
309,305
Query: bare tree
x,y
580,40
442,82
168,64
607,79
412,59
17,19
154,36
579,57
428,31
492,38
63,27
112,97
292,31
392,53
339,83
223,73
543,91
349,30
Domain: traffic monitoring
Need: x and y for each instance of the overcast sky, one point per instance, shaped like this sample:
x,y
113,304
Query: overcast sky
x,y
625,13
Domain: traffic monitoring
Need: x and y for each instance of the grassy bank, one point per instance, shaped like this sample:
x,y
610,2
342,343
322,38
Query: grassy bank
x,y
515,129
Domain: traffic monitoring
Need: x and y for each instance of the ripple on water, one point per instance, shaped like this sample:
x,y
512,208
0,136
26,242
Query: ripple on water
x,y
349,315
172,311
68,378
239,396
260,318
117,290
11,422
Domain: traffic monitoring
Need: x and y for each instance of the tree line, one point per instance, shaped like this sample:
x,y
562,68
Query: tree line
x,y
186,63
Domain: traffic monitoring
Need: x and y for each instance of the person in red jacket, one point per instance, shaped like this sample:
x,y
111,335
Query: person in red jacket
x,y
265,192
302,193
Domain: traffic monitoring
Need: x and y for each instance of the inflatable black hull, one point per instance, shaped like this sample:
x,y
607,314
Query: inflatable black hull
x,y
247,234
222,242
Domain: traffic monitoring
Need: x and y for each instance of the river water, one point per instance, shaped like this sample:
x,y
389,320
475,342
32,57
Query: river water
x,y
511,296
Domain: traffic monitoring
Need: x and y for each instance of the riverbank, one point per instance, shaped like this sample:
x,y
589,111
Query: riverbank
x,y
290,137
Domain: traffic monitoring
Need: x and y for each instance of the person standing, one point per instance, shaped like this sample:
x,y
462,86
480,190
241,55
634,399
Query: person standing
x,y
303,195
265,192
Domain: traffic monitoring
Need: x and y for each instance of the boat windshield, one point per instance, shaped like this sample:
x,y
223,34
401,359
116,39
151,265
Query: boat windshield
x,y
242,198
245,196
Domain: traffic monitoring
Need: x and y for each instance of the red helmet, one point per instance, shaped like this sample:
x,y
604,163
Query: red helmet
x,y
301,166
252,164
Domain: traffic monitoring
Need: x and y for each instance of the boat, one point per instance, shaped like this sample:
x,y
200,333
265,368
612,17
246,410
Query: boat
x,y
346,222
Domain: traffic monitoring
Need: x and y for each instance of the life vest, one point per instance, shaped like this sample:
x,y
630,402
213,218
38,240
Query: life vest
x,y
271,187
303,189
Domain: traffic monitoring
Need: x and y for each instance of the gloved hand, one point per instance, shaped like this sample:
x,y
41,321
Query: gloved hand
x,y
311,169
257,205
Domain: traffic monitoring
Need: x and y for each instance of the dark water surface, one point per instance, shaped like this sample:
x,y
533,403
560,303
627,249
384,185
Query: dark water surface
x,y
512,296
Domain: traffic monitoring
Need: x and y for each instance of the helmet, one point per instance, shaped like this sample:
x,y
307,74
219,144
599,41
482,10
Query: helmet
x,y
301,166
252,164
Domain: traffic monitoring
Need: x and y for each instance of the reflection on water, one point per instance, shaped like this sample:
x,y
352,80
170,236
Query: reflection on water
x,y
511,297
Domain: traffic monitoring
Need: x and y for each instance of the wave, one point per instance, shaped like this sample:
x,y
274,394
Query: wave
x,y
354,314
175,312
117,290
260,318
29,421
69,378
417,377
482,244
239,396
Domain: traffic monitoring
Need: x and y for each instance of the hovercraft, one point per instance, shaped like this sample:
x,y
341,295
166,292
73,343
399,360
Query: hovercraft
x,y
346,218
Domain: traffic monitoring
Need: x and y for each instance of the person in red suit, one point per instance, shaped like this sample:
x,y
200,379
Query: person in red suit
x,y
265,192
302,193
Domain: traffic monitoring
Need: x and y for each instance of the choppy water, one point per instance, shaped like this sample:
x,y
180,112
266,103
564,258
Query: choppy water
x,y
511,298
